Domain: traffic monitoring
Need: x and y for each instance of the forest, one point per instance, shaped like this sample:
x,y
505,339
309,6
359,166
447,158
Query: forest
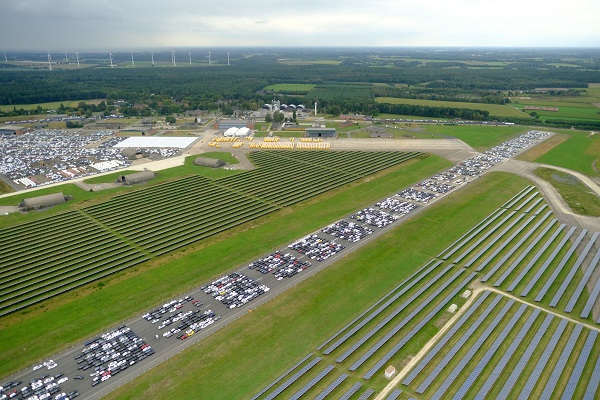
x,y
348,85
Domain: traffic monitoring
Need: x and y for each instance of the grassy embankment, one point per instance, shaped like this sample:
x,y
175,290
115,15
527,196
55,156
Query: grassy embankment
x,y
577,195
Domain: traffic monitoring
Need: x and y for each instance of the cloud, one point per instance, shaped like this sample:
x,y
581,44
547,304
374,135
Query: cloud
x,y
115,24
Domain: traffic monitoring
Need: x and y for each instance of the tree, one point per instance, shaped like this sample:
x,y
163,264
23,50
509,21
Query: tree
x,y
170,119
268,118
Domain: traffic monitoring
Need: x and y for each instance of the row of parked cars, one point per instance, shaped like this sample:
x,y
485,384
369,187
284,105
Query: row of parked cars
x,y
112,353
280,264
43,387
235,290
316,248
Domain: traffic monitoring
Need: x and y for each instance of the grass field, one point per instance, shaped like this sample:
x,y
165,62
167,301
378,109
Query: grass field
x,y
580,152
48,106
360,279
477,136
498,110
116,298
290,87
4,188
578,196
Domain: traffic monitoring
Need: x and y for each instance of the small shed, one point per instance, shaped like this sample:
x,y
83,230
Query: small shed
x,y
138,177
208,162
390,372
453,308
49,200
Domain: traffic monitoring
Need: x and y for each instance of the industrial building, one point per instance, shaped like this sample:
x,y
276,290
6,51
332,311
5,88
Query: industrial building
x,y
208,162
321,132
225,124
138,177
49,200
238,132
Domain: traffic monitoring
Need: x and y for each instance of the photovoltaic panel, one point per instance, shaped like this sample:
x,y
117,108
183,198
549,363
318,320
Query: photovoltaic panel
x,y
286,373
583,282
293,379
569,391
562,361
350,392
394,395
332,386
310,384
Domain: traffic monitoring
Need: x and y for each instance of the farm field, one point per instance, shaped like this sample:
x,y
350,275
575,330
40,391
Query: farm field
x,y
48,106
498,110
573,191
477,136
125,294
367,275
290,87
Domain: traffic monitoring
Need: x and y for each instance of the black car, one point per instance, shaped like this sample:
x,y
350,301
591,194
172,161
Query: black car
x,y
78,377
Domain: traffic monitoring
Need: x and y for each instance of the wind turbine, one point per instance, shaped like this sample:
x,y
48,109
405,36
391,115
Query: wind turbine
x,y
5,59
173,57
209,63
77,55
227,58
49,61
132,62
111,63
66,58
190,54
152,59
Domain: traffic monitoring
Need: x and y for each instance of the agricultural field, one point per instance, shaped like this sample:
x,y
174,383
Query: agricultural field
x,y
498,110
333,91
291,88
48,106
578,196
477,136
125,294
133,227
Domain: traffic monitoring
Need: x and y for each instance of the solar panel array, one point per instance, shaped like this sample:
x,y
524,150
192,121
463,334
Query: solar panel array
x,y
535,203
546,263
592,389
368,393
406,320
286,373
543,360
332,386
375,313
567,281
569,391
562,361
583,282
369,374
523,204
394,395
501,365
444,340
457,346
524,360
471,351
293,379
520,258
466,386
350,392
511,238
312,383
393,314
560,266
530,264
518,197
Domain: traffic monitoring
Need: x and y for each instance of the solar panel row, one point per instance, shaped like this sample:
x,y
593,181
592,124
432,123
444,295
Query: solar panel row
x,y
569,391
495,239
567,281
543,360
518,197
511,238
532,206
373,306
293,379
472,233
393,314
332,386
514,249
501,365
443,388
483,362
530,264
380,309
394,395
368,393
484,237
286,373
524,203
444,340
540,209
560,266
518,370
562,361
379,364
546,263
458,345
350,392
310,384
583,282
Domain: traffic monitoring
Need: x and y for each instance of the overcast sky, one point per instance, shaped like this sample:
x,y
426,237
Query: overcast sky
x,y
80,25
